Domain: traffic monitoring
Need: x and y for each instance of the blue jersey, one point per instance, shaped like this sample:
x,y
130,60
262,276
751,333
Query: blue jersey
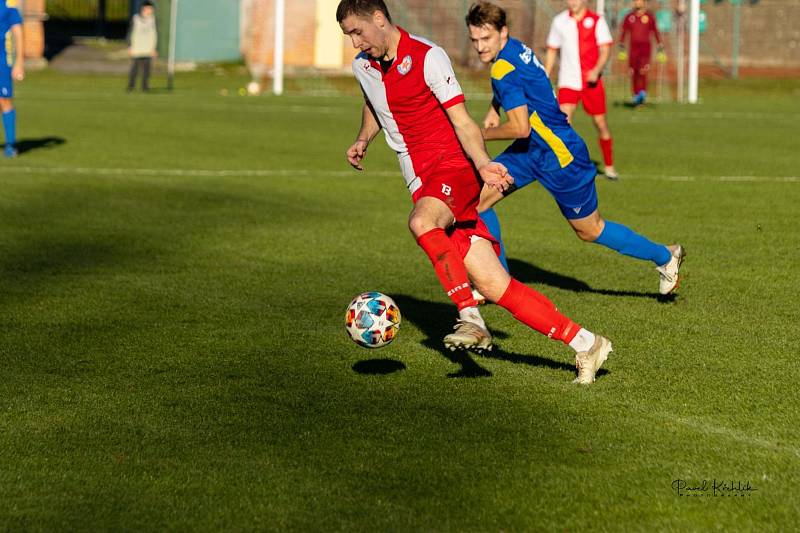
x,y
518,78
9,17
553,154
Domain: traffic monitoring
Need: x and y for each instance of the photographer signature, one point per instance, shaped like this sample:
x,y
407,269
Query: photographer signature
x,y
712,487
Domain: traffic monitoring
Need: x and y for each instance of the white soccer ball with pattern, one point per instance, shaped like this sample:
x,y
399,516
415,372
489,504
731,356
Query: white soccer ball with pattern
x,y
372,320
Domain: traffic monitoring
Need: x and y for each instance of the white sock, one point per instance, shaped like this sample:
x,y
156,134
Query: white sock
x,y
471,314
583,341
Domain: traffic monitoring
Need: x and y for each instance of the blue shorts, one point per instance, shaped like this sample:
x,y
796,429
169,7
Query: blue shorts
x,y
6,83
572,186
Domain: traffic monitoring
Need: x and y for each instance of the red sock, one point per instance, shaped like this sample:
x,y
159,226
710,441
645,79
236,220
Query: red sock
x,y
449,267
606,147
639,83
537,311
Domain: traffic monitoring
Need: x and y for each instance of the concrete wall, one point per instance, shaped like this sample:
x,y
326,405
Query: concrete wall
x,y
33,12
312,35
207,30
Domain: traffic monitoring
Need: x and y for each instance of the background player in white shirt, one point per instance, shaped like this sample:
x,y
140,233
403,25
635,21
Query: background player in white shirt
x,y
584,42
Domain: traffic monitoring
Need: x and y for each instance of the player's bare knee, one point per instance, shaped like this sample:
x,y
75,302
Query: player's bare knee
x,y
590,233
6,104
419,224
490,288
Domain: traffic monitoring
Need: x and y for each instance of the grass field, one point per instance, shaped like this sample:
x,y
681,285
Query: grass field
x,y
174,270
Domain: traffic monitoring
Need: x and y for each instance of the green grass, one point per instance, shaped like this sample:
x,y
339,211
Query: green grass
x,y
173,354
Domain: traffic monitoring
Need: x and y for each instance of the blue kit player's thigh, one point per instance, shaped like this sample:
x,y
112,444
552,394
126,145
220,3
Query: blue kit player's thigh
x,y
579,203
6,83
517,161
573,188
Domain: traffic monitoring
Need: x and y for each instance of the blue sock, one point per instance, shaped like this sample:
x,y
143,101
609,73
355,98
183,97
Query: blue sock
x,y
10,125
489,218
625,241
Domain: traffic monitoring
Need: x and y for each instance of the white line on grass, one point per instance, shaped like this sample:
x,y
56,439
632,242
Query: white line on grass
x,y
201,173
712,429
223,104
221,173
718,115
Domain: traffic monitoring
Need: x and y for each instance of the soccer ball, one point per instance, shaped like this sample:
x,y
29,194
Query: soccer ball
x,y
372,320
253,88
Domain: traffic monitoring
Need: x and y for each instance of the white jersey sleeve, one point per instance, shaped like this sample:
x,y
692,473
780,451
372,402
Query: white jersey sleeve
x,y
602,33
441,78
555,39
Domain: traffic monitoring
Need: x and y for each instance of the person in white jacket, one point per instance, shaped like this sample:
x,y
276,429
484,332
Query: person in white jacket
x,y
142,41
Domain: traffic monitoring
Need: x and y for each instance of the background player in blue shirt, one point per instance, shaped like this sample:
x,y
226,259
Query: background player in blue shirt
x,y
546,148
11,68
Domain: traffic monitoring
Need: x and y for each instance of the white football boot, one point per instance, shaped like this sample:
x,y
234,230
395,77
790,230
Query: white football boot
x,y
610,173
468,336
590,361
668,274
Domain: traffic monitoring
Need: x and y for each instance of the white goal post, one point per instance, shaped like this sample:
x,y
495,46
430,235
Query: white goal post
x,y
277,65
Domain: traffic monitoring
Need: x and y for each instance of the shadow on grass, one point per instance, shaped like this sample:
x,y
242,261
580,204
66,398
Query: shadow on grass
x,y
378,367
437,319
528,273
27,145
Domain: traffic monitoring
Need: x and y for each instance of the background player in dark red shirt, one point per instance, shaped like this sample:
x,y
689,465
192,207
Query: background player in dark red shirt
x,y
640,26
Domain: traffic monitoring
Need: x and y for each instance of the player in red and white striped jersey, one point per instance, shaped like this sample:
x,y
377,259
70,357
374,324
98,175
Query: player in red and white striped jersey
x,y
412,93
583,40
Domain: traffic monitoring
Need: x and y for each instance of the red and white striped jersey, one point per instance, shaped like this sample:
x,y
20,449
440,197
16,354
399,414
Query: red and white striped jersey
x,y
579,42
410,100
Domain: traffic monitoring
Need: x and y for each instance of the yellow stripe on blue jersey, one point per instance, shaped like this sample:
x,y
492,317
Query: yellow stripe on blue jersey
x,y
9,49
555,143
8,43
501,68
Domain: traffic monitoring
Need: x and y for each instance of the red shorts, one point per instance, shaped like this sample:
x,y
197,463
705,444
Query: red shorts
x,y
461,235
639,58
639,64
456,182
593,98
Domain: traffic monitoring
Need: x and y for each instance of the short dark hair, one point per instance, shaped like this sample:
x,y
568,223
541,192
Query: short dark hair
x,y
481,13
361,8
146,3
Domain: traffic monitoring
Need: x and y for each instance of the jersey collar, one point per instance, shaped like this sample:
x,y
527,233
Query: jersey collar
x,y
585,13
402,48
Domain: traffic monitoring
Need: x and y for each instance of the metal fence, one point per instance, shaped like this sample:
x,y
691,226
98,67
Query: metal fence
x,y
735,33
738,36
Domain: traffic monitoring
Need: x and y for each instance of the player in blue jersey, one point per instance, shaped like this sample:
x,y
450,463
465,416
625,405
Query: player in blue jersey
x,y
11,68
546,148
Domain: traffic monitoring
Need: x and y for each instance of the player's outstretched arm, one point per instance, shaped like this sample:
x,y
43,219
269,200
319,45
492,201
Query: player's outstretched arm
x,y
517,126
593,75
469,135
550,60
369,129
18,72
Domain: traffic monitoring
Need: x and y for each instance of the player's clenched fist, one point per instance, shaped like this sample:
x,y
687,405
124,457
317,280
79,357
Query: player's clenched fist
x,y
356,153
496,175
492,119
